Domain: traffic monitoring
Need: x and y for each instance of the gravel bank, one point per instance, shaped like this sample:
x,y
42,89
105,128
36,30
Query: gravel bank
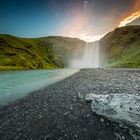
x,y
59,111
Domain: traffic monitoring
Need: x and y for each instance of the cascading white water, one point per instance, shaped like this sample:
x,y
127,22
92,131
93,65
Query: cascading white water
x,y
89,58
91,55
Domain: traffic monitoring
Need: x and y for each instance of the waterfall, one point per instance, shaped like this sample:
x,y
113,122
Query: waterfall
x,y
91,55
89,58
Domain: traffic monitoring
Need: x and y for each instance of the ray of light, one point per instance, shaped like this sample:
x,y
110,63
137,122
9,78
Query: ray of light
x,y
78,25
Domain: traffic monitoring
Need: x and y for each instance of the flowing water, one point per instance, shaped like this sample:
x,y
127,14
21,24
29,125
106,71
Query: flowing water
x,y
89,58
16,84
91,55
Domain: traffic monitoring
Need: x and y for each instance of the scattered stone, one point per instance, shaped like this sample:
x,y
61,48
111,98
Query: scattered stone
x,y
107,123
76,136
47,137
88,101
60,138
102,120
40,116
66,113
88,115
53,102
130,108
117,136
17,137
71,107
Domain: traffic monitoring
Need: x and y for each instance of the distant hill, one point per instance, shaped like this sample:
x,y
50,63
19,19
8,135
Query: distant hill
x,y
121,48
36,53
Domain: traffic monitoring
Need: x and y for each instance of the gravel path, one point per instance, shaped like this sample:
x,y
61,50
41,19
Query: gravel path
x,y
59,111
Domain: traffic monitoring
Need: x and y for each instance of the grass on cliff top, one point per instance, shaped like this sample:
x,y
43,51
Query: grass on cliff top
x,y
36,53
121,47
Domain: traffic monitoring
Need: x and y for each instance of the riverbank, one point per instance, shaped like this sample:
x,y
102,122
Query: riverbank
x,y
59,111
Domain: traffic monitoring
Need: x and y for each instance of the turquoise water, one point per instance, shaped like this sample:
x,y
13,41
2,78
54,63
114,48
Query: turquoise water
x,y
16,84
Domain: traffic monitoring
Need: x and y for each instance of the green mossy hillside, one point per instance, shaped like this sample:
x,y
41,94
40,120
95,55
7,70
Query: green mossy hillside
x,y
121,48
36,53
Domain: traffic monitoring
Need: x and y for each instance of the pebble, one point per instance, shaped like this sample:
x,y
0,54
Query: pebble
x,y
60,138
102,120
47,137
71,107
85,81
88,101
76,136
88,115
66,113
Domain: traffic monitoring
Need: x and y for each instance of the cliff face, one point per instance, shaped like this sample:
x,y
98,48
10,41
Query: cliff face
x,y
36,53
121,48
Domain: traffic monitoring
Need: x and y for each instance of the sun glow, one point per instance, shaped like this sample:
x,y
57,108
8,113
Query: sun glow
x,y
124,22
78,25
130,18
90,38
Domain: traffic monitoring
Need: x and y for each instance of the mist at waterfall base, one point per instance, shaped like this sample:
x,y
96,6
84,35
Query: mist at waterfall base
x,y
87,58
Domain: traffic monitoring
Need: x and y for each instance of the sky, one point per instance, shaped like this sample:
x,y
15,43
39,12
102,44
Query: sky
x,y
85,19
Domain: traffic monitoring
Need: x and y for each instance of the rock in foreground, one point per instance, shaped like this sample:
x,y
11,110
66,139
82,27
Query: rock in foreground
x,y
117,107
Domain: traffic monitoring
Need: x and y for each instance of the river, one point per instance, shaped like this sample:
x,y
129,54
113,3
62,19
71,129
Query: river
x,y
16,84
